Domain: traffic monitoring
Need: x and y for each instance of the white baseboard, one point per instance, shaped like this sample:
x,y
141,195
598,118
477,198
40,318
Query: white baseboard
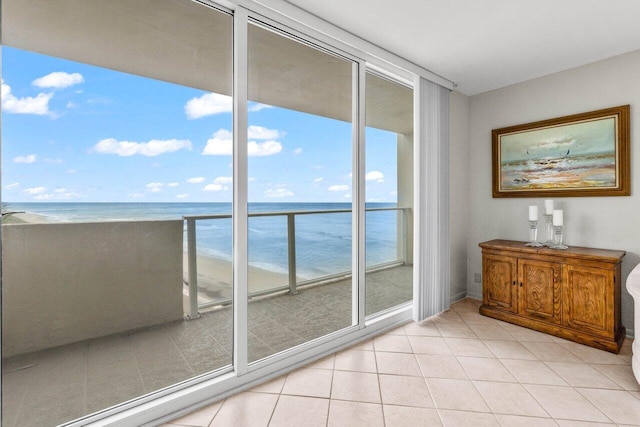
x,y
475,295
457,297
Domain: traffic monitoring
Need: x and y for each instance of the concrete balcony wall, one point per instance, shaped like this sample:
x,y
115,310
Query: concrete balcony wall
x,y
63,283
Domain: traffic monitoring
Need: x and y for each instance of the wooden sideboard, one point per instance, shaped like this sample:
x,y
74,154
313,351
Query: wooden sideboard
x,y
572,294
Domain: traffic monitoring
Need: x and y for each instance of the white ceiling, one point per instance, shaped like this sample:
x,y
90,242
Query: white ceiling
x,y
483,45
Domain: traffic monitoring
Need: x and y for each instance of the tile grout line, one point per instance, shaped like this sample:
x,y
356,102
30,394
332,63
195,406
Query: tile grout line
x,y
333,365
137,361
481,395
375,354
221,402
273,411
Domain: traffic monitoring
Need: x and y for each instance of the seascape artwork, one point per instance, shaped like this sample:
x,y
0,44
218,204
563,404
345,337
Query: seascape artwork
x,y
570,156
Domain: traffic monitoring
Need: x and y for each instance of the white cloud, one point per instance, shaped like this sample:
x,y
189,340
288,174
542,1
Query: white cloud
x,y
256,106
208,105
12,185
30,158
297,151
182,196
346,196
393,193
59,194
223,180
71,171
196,180
338,188
376,176
221,144
320,179
38,105
172,184
267,148
136,195
155,187
35,190
260,132
213,187
58,80
155,147
277,193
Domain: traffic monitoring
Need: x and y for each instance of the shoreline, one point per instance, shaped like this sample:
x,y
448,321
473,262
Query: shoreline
x,y
24,218
215,278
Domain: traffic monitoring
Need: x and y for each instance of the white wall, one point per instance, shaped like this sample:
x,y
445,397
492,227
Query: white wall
x,y
603,222
459,186
67,282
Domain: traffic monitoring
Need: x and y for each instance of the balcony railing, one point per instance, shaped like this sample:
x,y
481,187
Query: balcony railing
x,y
293,283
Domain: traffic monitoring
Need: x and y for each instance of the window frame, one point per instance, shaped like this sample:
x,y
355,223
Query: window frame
x,y
188,395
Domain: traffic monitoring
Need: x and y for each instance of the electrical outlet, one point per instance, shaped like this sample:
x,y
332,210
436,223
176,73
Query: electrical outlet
x,y
477,278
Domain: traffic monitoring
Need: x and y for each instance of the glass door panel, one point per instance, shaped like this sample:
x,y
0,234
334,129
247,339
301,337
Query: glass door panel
x,y
300,160
389,194
107,127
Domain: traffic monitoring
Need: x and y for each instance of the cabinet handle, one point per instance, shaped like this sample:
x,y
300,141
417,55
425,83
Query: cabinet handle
x,y
520,284
514,282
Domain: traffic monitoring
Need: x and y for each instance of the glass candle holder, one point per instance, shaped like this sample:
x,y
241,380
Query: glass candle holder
x,y
533,235
557,237
548,222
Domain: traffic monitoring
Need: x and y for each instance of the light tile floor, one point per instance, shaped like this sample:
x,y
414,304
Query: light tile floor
x,y
457,369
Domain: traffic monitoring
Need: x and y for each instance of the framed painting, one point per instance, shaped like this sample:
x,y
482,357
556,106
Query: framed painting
x,y
584,154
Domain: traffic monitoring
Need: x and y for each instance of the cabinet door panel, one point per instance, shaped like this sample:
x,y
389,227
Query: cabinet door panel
x,y
540,290
499,282
587,300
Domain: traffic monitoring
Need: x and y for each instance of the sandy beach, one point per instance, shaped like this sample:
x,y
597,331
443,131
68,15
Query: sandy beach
x,y
23,218
215,278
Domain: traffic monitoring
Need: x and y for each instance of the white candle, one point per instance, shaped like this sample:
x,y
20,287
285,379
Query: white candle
x,y
533,213
548,207
558,217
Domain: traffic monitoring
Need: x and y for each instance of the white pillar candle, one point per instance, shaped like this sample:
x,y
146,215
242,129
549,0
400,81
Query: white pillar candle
x,y
533,213
548,207
558,217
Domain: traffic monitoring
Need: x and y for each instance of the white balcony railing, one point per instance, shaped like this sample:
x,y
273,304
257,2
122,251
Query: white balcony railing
x,y
293,282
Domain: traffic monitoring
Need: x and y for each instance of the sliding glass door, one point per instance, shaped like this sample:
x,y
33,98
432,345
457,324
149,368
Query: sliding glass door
x,y
122,262
389,194
110,112
300,211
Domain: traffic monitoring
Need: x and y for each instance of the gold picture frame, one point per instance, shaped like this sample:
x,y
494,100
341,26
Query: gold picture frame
x,y
581,155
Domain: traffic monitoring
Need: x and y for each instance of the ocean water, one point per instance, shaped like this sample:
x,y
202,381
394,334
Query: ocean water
x,y
323,241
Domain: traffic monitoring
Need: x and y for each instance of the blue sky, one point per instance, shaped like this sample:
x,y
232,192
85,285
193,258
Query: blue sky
x,y
78,133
